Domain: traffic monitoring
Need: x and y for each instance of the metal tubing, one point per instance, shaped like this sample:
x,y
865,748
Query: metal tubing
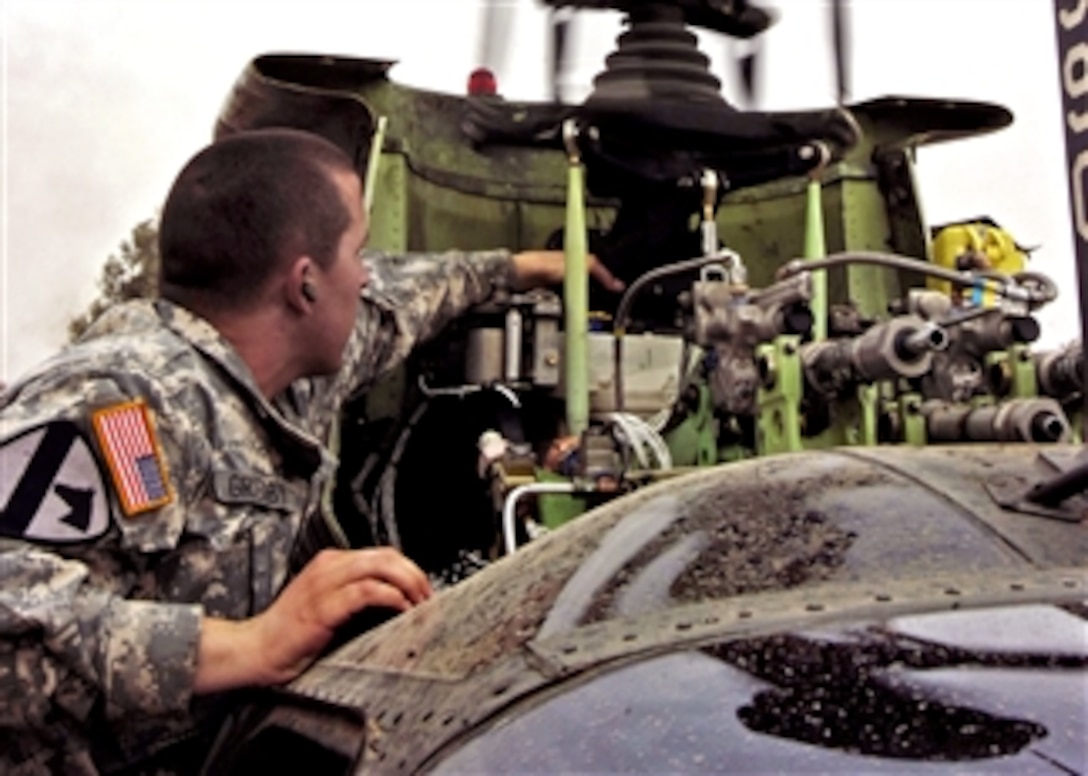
x,y
1019,420
1044,293
509,536
1061,373
709,226
512,362
1063,486
926,338
619,323
372,161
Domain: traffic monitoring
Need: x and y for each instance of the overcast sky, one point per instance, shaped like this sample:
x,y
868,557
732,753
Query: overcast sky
x,y
103,101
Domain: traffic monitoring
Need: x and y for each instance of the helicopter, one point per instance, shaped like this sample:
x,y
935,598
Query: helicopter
x,y
784,292
824,507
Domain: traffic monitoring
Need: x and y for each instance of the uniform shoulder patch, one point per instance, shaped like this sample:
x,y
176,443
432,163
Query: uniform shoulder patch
x,y
126,438
51,486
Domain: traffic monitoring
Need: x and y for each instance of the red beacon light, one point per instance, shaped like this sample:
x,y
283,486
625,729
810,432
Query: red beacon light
x,y
481,82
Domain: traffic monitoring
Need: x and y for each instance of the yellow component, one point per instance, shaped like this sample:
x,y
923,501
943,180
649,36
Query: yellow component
x,y
975,245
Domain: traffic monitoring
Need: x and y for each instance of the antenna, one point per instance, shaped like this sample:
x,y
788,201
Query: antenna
x,y
495,35
840,42
561,28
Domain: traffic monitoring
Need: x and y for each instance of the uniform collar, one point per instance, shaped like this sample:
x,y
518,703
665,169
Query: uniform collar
x,y
206,338
301,450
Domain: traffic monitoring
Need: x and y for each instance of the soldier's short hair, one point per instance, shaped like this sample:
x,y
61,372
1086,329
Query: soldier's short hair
x,y
243,207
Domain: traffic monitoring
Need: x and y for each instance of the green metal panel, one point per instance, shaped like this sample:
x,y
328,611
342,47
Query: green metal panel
x,y
913,423
440,217
861,222
899,185
437,191
865,227
389,216
555,509
1024,383
854,422
779,428
868,401
694,442
765,225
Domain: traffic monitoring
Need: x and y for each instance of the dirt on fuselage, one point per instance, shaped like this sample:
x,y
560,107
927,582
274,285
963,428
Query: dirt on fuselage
x,y
756,541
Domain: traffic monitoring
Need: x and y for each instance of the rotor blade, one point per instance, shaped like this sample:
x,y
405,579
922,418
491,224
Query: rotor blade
x,y
747,56
840,40
749,68
498,24
748,77
561,23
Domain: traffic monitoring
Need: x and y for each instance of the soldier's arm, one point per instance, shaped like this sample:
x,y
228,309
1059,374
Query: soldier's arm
x,y
411,298
278,644
67,641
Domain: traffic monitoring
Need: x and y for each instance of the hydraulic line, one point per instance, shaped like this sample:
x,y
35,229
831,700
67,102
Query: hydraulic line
x,y
624,307
509,507
1007,287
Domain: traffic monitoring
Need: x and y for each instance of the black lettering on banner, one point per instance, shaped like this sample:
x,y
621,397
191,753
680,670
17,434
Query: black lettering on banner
x,y
1073,53
1071,24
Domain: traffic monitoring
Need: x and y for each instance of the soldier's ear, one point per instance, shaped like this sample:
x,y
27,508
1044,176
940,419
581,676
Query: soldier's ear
x,y
299,291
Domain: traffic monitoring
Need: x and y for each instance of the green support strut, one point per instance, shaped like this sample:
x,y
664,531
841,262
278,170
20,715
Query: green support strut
x,y
779,429
576,292
816,248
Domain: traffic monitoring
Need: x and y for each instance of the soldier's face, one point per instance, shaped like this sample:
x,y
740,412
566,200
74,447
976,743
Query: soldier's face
x,y
346,276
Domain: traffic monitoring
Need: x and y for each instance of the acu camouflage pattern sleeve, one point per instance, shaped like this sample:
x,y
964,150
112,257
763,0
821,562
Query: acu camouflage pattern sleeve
x,y
66,642
69,640
410,299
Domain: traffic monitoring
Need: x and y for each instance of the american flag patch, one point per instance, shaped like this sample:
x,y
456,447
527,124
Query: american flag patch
x,y
126,437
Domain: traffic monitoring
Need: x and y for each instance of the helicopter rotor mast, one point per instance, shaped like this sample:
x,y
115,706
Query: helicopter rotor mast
x,y
739,19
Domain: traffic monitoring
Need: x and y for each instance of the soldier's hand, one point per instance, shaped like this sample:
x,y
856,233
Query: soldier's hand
x,y
333,586
278,644
545,268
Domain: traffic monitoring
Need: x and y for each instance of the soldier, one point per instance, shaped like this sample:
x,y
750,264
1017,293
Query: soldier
x,y
161,478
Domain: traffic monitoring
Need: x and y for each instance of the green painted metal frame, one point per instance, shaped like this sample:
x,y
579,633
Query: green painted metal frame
x,y
779,429
434,192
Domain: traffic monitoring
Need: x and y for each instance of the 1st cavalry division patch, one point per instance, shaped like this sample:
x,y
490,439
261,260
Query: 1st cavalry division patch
x,y
51,486
126,437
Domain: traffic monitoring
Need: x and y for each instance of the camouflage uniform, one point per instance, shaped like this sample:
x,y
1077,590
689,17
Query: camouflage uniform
x,y
98,638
